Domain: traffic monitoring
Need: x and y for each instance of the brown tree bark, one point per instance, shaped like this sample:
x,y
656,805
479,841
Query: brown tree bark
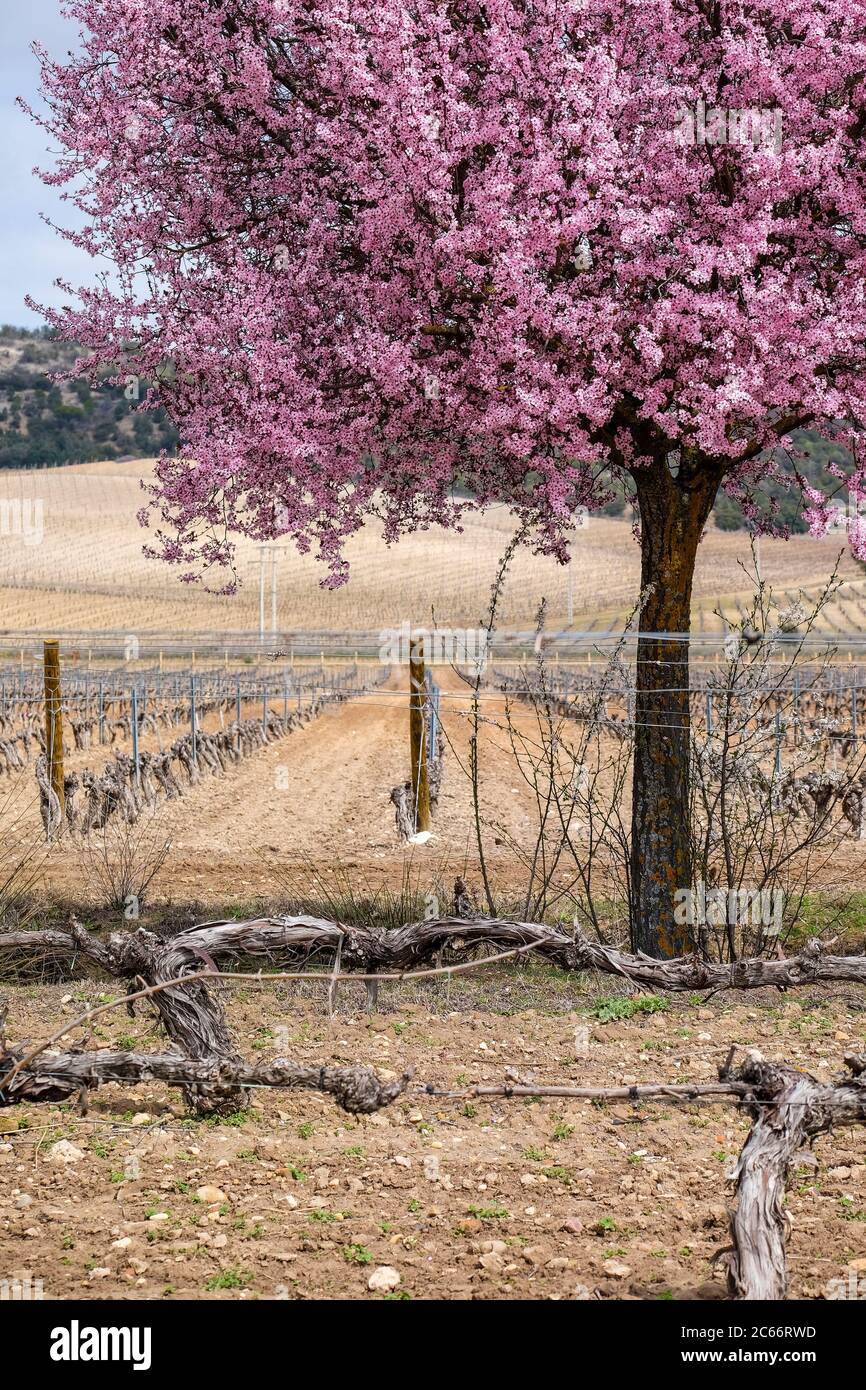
x,y
674,507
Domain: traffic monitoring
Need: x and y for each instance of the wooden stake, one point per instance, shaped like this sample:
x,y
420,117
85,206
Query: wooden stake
x,y
417,736
332,987
54,721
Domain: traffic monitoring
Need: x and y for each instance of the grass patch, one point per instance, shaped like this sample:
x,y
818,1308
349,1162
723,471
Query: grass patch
x,y
612,1007
489,1213
228,1279
357,1255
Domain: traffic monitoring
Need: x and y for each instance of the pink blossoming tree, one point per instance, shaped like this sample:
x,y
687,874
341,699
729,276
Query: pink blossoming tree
x,y
366,247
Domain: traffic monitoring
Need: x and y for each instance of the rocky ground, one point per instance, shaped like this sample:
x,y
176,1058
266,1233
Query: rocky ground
x,y
433,1198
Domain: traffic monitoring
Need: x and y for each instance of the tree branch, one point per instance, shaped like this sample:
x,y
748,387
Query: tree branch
x,y
53,1078
366,951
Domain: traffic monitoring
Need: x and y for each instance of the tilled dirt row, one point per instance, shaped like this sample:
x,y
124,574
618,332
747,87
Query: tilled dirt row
x,y
318,796
317,802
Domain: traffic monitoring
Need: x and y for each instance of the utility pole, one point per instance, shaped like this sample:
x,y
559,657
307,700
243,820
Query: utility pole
x,y
263,561
274,558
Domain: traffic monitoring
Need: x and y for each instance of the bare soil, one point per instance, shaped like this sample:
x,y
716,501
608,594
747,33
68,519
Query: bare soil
x,y
314,807
464,1198
317,797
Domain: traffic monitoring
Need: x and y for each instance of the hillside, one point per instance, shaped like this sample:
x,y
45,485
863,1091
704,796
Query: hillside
x,y
85,570
45,423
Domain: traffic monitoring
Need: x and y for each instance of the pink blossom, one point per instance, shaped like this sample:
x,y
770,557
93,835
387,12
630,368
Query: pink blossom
x,y
317,208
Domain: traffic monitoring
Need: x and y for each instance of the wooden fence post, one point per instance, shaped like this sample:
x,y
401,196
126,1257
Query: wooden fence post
x,y
54,722
417,735
193,721
134,725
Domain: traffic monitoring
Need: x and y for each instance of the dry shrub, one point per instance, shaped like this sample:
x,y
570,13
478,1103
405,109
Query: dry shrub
x,y
121,860
23,852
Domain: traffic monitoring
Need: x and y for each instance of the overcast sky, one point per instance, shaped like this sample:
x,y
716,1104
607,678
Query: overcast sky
x,y
31,254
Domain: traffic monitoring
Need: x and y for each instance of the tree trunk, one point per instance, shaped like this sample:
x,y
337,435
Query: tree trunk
x,y
673,512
